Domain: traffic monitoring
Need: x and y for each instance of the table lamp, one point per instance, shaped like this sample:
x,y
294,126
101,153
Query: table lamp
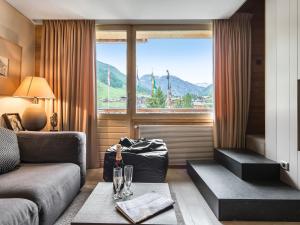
x,y
34,117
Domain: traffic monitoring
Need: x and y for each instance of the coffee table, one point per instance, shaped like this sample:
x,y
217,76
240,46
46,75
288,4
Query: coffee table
x,y
99,208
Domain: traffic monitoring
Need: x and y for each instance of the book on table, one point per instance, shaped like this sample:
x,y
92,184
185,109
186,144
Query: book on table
x,y
141,208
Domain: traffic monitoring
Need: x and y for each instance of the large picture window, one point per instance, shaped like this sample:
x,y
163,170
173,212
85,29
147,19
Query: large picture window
x,y
171,70
111,66
174,72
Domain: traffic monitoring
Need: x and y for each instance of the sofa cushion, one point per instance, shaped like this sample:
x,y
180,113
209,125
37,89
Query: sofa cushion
x,y
9,150
54,147
16,211
52,186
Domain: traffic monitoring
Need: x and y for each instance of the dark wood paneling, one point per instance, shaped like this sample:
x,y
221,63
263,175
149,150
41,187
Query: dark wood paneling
x,y
256,120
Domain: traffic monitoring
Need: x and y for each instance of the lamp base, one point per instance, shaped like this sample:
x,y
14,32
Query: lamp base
x,y
34,118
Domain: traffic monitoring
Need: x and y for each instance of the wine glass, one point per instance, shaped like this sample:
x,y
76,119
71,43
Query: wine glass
x,y
118,180
128,173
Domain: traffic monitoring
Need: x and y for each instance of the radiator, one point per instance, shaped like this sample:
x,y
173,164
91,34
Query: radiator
x,y
184,142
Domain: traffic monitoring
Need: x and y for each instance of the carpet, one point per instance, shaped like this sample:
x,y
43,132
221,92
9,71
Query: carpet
x,y
71,211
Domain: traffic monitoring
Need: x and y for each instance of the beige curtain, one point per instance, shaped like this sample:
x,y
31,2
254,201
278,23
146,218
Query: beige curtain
x,y
68,63
232,65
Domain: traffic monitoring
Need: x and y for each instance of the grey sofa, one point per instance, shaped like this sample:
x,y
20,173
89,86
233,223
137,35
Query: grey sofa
x,y
50,175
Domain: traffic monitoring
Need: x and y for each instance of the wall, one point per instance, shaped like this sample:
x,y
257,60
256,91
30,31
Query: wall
x,y
282,72
256,119
18,29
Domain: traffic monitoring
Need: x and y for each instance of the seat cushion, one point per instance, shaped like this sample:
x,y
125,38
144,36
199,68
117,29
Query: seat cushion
x,y
9,151
51,186
16,211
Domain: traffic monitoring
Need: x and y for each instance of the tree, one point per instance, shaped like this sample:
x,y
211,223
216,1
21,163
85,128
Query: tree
x,y
185,102
158,100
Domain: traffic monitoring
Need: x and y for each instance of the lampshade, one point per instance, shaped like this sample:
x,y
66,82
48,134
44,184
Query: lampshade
x,y
34,87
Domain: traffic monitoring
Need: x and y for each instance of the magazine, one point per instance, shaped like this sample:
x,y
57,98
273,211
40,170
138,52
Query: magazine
x,y
140,208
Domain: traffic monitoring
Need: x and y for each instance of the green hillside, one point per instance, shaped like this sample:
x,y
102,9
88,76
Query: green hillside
x,y
117,78
118,89
117,82
113,92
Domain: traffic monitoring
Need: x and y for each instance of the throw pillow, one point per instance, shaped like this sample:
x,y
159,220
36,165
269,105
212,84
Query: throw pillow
x,y
9,151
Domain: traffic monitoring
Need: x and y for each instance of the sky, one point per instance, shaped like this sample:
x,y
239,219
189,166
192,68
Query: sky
x,y
188,59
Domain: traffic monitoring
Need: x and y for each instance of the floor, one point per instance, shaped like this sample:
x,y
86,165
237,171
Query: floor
x,y
194,209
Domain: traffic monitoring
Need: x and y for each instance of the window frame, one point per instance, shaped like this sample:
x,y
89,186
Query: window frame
x,y
131,76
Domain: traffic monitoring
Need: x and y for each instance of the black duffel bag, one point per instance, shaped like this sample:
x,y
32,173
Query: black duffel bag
x,y
148,157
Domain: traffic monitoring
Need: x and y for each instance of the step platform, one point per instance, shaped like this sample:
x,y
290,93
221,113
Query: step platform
x,y
232,198
247,164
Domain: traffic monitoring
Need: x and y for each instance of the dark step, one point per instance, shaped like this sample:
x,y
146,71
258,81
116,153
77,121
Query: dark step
x,y
248,165
231,198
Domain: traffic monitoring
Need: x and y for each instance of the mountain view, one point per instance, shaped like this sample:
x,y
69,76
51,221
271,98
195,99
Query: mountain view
x,y
152,90
179,86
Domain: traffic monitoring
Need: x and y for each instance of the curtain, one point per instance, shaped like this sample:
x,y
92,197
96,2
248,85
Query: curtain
x,y
68,64
232,68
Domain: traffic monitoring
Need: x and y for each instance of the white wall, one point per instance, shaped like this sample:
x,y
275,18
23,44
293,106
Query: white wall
x,y
18,29
281,84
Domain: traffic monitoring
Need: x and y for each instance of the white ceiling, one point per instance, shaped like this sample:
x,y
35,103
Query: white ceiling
x,y
127,10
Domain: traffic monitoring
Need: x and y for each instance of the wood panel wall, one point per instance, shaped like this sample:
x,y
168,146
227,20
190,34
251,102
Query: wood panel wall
x,y
111,129
109,132
256,120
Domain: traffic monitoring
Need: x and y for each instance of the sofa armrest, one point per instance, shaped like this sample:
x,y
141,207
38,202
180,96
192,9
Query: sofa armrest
x,y
54,147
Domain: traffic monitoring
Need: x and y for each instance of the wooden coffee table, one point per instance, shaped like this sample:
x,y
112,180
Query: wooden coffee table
x,y
99,208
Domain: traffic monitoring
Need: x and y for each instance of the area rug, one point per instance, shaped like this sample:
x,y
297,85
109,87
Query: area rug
x,y
69,214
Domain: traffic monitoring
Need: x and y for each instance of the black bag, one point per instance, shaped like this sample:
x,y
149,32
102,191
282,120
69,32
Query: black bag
x,y
148,157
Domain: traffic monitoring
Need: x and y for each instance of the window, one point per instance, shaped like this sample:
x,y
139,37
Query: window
x,y
174,72
171,70
111,66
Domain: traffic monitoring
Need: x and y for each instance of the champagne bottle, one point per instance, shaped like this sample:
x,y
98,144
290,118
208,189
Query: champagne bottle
x,y
119,162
